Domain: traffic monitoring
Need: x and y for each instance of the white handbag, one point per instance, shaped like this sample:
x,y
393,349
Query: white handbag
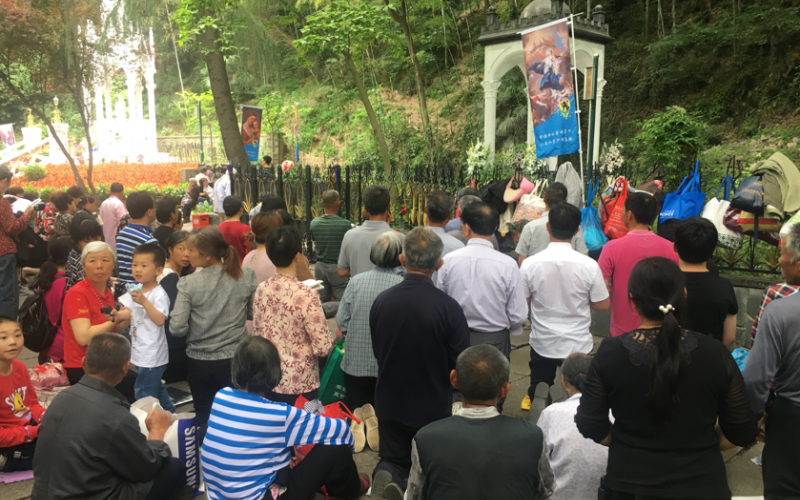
x,y
531,206
714,211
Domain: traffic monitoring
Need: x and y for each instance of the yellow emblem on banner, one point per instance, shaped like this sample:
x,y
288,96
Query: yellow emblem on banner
x,y
564,106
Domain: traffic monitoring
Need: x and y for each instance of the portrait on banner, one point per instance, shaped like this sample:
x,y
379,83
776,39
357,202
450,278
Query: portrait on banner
x,y
551,89
251,130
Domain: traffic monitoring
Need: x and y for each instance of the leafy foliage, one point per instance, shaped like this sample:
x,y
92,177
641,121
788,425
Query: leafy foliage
x,y
34,172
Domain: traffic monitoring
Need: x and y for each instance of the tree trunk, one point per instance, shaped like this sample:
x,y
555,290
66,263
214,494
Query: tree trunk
x,y
223,101
401,19
42,116
660,21
674,18
373,119
86,129
646,21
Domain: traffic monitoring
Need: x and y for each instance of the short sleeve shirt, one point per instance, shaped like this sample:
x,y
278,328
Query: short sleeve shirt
x,y
535,238
148,341
328,232
617,261
710,300
357,245
82,301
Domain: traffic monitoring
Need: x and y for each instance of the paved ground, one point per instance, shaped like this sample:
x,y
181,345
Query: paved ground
x,y
744,477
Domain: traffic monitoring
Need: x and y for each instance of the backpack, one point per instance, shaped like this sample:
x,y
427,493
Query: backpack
x,y
37,331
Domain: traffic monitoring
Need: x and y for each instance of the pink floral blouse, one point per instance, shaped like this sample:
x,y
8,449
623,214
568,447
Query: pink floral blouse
x,y
289,314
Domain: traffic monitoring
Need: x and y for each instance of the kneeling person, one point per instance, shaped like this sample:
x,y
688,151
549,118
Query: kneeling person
x,y
21,412
90,446
480,453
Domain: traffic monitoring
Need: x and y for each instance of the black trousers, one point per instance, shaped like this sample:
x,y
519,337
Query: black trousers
x,y
177,367
74,375
331,466
617,495
19,457
205,379
395,450
360,391
170,480
289,399
542,370
780,464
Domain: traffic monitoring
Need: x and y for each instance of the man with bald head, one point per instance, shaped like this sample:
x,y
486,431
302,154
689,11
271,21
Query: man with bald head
x,y
328,231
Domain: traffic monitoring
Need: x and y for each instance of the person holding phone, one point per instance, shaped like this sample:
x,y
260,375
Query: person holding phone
x,y
90,309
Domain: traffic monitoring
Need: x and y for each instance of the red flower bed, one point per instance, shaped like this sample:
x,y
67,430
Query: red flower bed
x,y
129,174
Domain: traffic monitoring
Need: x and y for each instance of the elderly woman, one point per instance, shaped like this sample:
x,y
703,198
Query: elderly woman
x,y
210,310
359,364
90,309
289,314
237,457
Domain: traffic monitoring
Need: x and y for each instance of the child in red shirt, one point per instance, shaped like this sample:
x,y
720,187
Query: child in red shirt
x,y
20,411
236,233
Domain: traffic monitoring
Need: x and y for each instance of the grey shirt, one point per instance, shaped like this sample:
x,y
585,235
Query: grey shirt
x,y
211,310
775,354
90,447
535,238
357,245
449,241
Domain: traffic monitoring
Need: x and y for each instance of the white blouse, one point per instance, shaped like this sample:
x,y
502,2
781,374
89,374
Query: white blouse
x,y
578,463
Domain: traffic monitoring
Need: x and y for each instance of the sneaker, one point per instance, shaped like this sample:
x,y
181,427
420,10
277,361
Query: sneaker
x,y
381,480
3,461
393,492
371,422
539,402
364,484
357,428
526,403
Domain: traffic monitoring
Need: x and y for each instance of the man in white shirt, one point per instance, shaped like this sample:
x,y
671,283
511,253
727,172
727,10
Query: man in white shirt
x,y
563,286
486,283
535,238
222,189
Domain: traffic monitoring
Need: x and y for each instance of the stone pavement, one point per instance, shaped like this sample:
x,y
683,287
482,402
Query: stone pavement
x,y
744,477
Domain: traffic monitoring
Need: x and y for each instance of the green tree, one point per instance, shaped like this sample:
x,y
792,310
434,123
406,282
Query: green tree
x,y
347,30
210,26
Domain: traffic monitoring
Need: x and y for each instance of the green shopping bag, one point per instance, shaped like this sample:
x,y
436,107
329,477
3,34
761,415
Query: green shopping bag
x,y
331,381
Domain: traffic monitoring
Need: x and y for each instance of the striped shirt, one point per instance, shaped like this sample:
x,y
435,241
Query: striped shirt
x,y
328,232
128,239
248,442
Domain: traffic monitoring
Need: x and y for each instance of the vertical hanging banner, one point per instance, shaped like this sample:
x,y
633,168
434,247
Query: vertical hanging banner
x,y
251,131
7,134
551,89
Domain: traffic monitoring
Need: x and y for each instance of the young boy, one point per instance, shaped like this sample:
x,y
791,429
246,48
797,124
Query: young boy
x,y
20,411
233,229
149,309
142,211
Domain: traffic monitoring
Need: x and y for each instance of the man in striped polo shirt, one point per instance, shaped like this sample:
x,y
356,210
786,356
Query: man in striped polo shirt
x,y
142,211
328,232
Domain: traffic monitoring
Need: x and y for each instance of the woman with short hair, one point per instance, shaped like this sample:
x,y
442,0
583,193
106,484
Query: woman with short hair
x,y
90,309
247,447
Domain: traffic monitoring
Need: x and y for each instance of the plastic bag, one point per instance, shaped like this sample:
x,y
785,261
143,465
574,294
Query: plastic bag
x,y
615,225
715,211
687,201
531,206
48,375
592,231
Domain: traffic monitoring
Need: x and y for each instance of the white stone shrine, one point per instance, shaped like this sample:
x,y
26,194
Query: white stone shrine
x,y
120,130
504,51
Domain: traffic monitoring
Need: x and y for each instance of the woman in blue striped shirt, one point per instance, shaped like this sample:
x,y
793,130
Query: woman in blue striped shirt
x,y
246,452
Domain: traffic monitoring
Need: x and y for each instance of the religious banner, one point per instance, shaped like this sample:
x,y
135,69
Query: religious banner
x,y
251,131
551,89
7,135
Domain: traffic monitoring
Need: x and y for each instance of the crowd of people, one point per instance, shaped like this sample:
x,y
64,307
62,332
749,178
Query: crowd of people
x,y
426,318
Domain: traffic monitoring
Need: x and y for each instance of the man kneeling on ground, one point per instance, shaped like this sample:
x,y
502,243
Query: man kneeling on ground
x,y
480,453
90,446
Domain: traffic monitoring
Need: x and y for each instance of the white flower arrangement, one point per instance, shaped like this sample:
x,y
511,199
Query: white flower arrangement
x,y
530,164
478,158
611,158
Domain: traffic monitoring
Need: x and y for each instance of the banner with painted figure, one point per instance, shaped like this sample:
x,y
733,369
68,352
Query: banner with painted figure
x,y
7,135
551,89
251,131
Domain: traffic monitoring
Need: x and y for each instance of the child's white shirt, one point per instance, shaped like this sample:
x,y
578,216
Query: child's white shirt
x,y
148,342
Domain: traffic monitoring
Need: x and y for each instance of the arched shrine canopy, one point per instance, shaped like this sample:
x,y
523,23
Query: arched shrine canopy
x,y
503,52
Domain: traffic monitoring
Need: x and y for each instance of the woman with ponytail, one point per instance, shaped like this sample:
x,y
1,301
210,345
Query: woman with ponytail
x,y
52,284
577,463
210,310
667,388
